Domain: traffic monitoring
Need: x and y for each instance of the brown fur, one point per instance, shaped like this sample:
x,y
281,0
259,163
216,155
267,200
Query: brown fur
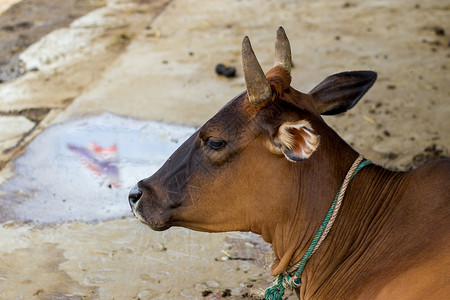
x,y
391,239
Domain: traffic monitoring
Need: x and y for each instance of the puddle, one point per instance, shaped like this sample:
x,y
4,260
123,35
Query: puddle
x,y
82,170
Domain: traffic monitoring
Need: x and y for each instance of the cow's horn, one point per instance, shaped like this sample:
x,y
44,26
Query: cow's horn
x,y
283,51
258,87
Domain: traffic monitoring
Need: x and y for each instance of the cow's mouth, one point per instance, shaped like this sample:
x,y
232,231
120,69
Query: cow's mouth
x,y
157,225
153,219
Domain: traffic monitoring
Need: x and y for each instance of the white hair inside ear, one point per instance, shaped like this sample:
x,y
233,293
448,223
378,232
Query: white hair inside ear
x,y
298,140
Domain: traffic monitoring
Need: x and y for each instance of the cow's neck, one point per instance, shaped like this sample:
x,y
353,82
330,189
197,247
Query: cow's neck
x,y
318,179
353,240
362,209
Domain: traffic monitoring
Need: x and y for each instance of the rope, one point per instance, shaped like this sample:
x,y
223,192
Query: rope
x,y
286,280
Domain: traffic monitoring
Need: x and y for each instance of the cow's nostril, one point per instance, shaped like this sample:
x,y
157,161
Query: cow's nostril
x,y
134,196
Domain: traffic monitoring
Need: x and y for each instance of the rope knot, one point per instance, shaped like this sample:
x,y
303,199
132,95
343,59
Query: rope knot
x,y
274,292
295,282
283,281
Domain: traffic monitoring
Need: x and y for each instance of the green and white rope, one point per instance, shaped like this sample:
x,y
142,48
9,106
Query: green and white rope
x,y
340,197
286,280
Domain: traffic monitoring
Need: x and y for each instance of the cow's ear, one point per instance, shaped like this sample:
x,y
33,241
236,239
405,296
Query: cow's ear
x,y
340,92
297,141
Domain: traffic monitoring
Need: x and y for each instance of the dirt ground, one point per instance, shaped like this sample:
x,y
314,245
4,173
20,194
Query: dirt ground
x,y
141,52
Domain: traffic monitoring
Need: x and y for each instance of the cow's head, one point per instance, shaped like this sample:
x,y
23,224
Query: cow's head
x,y
242,170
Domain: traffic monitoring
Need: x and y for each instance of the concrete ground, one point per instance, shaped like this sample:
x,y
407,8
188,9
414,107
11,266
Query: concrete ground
x,y
155,60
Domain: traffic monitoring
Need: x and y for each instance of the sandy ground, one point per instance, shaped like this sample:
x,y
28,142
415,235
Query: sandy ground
x,y
155,60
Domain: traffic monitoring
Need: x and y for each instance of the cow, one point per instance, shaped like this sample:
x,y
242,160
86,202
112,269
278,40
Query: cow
x,y
268,163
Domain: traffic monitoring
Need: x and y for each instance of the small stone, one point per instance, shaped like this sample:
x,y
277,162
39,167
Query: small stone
x,y
212,284
159,247
228,72
438,30
144,294
249,245
226,293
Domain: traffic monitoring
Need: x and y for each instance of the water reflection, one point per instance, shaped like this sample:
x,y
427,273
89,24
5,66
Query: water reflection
x,y
102,161
83,169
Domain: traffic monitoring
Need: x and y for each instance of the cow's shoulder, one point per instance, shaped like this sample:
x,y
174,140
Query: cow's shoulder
x,y
429,279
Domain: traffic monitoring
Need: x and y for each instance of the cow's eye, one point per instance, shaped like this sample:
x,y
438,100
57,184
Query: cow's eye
x,y
215,144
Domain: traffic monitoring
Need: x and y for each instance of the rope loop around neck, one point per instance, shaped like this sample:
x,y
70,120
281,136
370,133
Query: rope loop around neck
x,y
292,278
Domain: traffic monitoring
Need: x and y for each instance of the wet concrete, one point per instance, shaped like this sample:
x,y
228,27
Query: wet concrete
x,y
63,63
155,60
82,170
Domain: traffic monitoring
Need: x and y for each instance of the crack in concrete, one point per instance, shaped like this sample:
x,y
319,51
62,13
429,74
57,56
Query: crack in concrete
x,y
35,115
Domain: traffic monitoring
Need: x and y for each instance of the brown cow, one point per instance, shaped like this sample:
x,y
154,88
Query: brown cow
x,y
268,163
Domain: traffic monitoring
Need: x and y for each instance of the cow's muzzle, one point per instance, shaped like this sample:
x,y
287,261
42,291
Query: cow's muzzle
x,y
134,196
